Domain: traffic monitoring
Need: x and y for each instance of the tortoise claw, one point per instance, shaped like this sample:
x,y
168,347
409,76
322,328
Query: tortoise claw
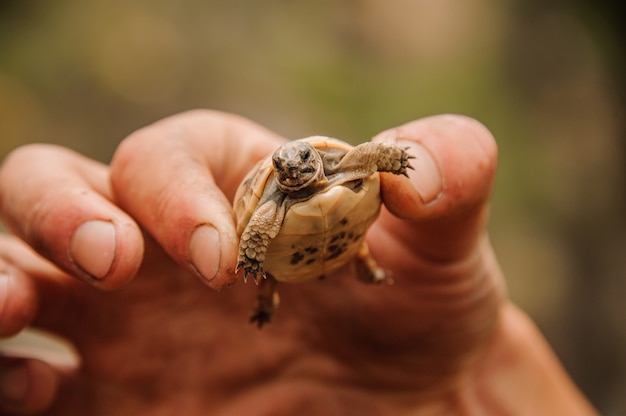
x,y
250,267
406,164
245,270
257,279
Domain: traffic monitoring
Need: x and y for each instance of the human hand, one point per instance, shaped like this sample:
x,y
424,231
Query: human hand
x,y
442,339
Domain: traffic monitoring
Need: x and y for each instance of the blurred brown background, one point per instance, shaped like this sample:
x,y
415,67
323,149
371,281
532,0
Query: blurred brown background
x,y
545,76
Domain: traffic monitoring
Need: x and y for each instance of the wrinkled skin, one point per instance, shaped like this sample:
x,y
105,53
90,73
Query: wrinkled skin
x,y
154,339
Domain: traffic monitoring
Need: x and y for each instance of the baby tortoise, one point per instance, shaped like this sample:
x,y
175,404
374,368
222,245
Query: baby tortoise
x,y
303,212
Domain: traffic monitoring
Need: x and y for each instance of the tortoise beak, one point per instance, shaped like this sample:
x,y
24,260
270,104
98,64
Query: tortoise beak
x,y
291,169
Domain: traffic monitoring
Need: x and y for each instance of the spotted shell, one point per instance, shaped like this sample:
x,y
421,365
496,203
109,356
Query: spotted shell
x,y
320,234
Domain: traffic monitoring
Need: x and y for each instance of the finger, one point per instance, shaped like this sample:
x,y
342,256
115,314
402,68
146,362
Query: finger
x,y
18,300
441,211
26,386
177,178
33,292
33,365
60,203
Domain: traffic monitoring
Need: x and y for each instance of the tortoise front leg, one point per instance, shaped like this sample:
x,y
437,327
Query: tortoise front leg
x,y
368,158
266,302
263,226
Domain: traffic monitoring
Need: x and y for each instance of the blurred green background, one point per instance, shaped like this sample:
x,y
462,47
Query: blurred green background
x,y
546,77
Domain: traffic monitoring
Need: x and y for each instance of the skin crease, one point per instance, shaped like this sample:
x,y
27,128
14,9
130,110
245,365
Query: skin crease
x,y
443,339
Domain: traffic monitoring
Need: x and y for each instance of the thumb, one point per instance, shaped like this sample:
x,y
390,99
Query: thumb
x,y
442,211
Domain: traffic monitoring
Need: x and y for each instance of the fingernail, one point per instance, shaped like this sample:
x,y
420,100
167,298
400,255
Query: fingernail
x,y
93,247
14,385
425,175
205,251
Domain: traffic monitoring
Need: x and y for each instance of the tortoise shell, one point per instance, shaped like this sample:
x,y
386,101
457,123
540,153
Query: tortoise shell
x,y
321,233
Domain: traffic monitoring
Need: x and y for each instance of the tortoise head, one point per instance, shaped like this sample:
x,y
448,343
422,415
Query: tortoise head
x,y
297,165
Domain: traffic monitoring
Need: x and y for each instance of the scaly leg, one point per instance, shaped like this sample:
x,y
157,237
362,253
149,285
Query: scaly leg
x,y
367,158
256,237
366,268
267,301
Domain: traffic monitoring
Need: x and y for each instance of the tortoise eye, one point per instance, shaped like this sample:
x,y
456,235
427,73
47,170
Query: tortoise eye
x,y
306,156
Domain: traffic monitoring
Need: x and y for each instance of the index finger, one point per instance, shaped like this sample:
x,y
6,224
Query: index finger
x,y
177,178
